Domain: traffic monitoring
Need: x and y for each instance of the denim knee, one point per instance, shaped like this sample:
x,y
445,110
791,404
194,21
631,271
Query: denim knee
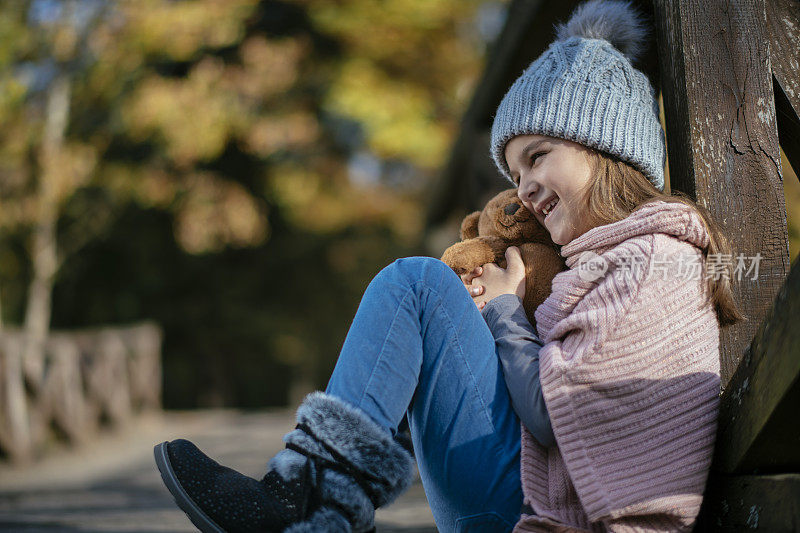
x,y
429,270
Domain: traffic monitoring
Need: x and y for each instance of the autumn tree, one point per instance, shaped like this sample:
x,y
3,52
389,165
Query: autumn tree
x,y
236,119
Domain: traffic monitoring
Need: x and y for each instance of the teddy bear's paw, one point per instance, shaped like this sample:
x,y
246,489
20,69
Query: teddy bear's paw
x,y
463,257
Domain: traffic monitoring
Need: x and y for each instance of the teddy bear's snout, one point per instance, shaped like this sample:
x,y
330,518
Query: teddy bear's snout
x,y
510,209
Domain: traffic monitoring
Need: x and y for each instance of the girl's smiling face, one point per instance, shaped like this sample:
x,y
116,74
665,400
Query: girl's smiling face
x,y
545,169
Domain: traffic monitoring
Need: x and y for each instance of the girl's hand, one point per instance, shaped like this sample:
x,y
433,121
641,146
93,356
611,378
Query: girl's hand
x,y
490,281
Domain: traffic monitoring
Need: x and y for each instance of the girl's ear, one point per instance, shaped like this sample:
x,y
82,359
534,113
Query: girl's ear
x,y
469,227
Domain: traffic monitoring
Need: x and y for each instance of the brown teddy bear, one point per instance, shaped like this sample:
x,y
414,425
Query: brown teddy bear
x,y
505,222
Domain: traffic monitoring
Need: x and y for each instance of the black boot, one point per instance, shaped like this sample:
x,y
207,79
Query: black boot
x,y
337,468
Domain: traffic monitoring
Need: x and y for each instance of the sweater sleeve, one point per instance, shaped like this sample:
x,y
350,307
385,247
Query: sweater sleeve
x,y
518,349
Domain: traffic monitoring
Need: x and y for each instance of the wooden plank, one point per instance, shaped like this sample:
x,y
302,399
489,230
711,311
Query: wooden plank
x,y
740,503
15,427
723,140
758,412
783,19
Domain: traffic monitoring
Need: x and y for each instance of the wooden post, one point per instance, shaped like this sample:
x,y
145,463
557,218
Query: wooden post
x,y
723,141
763,503
758,427
16,438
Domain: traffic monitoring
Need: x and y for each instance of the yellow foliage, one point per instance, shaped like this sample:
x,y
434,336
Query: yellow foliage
x,y
17,211
270,134
12,93
152,188
14,35
324,204
116,64
65,42
194,117
397,116
15,138
73,168
429,43
371,20
214,213
181,30
293,187
269,67
405,63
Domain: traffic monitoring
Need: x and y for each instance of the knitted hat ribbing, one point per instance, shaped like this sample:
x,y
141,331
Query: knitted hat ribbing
x,y
584,89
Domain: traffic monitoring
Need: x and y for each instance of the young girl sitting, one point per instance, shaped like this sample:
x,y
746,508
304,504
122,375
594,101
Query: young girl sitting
x,y
616,386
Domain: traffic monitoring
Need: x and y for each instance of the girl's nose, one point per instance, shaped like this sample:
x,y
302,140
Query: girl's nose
x,y
527,190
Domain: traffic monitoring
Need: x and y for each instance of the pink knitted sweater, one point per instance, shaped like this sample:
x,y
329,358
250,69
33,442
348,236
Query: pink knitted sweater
x,y
630,376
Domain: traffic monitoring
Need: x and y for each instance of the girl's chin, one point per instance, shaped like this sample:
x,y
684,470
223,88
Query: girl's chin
x,y
553,229
557,236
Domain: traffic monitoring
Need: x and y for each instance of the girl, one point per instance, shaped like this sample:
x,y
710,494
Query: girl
x,y
616,388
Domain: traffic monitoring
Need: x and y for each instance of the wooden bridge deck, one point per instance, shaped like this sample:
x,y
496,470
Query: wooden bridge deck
x,y
112,484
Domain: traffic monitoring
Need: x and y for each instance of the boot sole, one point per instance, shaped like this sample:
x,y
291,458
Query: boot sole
x,y
187,505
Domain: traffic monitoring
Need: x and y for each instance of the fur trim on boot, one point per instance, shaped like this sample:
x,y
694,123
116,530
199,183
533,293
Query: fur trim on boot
x,y
324,519
358,465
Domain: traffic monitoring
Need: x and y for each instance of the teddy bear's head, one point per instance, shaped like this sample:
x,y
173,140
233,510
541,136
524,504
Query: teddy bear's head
x,y
504,216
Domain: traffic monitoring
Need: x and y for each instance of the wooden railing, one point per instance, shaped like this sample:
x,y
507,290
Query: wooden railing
x,y
84,381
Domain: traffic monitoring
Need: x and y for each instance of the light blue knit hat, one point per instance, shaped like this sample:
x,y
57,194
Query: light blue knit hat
x,y
583,88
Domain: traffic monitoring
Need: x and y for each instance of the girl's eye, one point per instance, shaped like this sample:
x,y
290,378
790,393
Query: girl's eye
x,y
536,156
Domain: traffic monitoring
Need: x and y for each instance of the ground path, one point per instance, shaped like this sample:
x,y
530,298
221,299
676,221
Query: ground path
x,y
112,485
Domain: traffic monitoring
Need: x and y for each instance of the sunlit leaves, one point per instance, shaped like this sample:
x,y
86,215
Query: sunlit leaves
x,y
213,213
316,201
269,67
210,211
200,126
182,82
398,117
182,30
414,57
194,117
150,187
74,164
392,21
15,37
272,133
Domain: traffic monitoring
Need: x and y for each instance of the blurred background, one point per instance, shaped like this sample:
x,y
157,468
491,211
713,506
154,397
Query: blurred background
x,y
234,170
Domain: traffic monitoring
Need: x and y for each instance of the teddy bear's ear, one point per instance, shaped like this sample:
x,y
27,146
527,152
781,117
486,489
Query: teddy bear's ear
x,y
469,227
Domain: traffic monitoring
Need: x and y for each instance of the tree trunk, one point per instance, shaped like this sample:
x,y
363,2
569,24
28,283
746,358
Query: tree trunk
x,y
44,256
44,259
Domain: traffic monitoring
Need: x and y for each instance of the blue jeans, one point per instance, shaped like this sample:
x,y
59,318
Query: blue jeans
x,y
418,344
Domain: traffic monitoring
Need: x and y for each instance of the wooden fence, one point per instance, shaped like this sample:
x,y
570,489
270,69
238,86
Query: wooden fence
x,y
85,380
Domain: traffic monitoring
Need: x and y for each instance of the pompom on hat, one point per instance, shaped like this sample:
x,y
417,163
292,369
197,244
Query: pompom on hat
x,y
583,88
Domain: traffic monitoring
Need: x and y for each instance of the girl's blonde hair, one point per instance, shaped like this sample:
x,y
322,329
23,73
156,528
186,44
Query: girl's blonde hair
x,y
619,189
